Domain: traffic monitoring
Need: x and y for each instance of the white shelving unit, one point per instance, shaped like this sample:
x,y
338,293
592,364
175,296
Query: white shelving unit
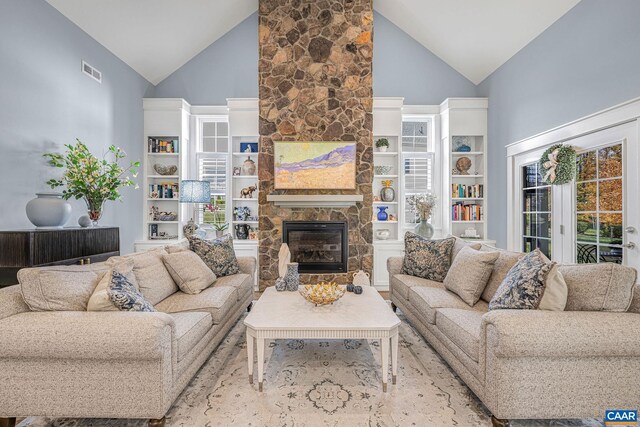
x,y
464,135
243,127
164,119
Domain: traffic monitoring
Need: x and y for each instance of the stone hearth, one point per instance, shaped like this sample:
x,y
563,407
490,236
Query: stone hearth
x,y
315,84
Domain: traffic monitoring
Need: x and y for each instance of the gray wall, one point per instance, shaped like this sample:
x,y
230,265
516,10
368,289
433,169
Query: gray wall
x,y
587,61
228,68
47,101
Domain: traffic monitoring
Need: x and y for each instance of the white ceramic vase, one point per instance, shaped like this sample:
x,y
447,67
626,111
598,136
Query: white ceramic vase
x,y
48,210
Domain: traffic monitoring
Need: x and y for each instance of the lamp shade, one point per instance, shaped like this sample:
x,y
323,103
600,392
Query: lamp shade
x,y
192,191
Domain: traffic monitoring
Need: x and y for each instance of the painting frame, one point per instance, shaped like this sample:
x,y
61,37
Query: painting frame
x,y
306,165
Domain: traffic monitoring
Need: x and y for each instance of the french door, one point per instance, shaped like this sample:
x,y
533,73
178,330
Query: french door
x,y
594,219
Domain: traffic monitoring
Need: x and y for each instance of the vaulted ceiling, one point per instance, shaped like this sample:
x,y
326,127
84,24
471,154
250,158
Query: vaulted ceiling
x,y
156,37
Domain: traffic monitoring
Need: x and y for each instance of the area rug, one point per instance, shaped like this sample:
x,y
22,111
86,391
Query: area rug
x,y
312,383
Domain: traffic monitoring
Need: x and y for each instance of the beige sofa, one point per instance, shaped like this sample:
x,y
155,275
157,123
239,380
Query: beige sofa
x,y
534,364
110,364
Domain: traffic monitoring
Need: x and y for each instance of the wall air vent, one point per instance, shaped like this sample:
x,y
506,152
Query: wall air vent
x,y
91,72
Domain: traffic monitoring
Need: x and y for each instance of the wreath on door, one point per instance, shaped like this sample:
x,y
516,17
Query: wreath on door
x,y
558,164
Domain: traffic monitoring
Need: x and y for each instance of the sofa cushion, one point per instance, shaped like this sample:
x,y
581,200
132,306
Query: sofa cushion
x,y
635,302
190,328
243,283
401,284
189,272
427,300
525,283
60,288
469,273
429,259
503,264
153,279
216,300
461,243
124,295
598,287
99,300
462,327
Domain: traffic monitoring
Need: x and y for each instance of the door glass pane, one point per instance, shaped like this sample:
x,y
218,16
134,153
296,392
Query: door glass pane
x,y
586,170
599,205
611,195
610,161
586,196
536,210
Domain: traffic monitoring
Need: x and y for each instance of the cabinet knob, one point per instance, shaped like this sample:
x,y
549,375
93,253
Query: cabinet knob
x,y
82,261
88,261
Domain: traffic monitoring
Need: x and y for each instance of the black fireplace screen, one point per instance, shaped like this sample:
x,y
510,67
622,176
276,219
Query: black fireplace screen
x,y
317,246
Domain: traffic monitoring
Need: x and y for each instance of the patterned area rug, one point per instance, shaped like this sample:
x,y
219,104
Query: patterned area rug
x,y
322,383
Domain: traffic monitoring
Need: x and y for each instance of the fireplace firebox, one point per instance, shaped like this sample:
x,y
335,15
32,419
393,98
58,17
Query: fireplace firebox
x,y
317,246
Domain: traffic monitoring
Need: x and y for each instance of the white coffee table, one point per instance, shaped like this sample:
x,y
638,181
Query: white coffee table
x,y
287,315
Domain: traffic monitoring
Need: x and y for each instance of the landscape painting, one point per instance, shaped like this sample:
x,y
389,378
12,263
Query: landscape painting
x,y
315,165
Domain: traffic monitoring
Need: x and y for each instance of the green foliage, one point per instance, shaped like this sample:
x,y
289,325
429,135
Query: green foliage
x,y
566,168
382,142
85,175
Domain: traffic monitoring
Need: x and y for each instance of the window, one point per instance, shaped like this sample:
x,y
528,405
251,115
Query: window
x,y
536,211
417,162
599,205
212,160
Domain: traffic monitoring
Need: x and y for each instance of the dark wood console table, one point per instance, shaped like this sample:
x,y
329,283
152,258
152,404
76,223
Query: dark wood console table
x,y
63,246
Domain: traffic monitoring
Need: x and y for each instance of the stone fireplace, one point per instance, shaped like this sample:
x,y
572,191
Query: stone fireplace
x,y
315,84
317,246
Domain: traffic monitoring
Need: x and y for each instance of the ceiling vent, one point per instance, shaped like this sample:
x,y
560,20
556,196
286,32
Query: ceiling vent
x,y
91,72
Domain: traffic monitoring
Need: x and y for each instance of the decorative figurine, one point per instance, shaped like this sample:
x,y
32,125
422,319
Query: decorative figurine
x,y
247,192
357,290
463,164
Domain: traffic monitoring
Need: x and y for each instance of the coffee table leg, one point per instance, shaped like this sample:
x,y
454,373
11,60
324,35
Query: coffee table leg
x,y
260,343
385,362
250,356
394,357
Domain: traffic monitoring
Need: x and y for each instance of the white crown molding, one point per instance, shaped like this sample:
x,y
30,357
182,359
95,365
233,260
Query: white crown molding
x,y
464,104
409,110
387,103
613,116
209,110
242,103
168,104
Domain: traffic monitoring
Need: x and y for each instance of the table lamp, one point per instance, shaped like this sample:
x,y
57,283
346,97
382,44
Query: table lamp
x,y
192,191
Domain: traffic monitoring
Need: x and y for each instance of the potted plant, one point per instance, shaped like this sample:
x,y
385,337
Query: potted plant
x,y
423,204
90,178
382,144
218,223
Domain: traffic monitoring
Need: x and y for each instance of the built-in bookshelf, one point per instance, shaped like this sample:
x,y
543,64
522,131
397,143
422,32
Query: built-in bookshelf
x,y
464,140
166,135
244,187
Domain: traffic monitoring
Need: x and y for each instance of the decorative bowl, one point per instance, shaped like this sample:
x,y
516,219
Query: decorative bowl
x,y
323,293
165,169
167,216
382,170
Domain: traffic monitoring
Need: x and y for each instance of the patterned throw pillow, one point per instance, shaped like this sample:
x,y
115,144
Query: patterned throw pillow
x,y
525,283
125,296
218,254
429,259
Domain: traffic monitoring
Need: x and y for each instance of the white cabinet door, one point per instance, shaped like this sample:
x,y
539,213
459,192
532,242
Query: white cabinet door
x,y
382,252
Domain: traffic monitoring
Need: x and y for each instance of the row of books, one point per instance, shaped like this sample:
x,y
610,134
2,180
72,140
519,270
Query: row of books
x,y
164,190
466,212
463,190
163,145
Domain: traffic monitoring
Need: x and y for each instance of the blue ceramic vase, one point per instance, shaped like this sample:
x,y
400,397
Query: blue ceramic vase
x,y
382,213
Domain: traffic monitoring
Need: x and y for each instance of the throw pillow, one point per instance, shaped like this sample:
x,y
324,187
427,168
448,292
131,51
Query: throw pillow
x,y
469,273
125,296
461,243
100,300
217,254
429,259
525,283
555,293
189,272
